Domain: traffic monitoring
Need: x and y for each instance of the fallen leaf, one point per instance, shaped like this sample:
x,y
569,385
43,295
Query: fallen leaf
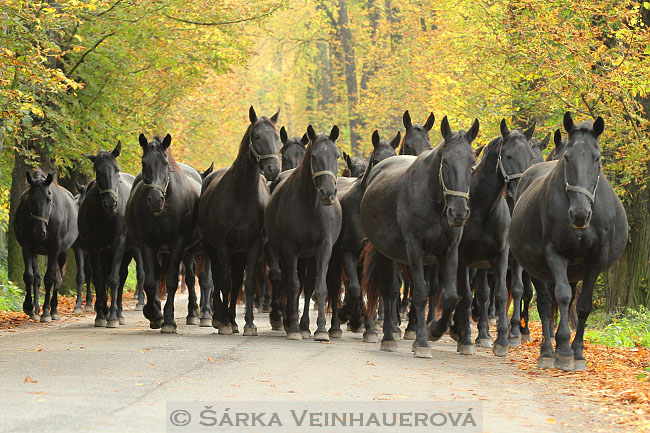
x,y
30,380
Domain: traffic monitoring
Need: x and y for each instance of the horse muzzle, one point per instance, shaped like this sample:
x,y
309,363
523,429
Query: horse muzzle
x,y
457,218
271,170
328,199
580,218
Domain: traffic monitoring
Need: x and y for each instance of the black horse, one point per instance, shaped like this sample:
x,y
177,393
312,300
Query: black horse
x,y
161,216
348,247
84,268
45,223
303,221
568,225
485,237
103,233
413,213
292,149
354,167
416,137
231,214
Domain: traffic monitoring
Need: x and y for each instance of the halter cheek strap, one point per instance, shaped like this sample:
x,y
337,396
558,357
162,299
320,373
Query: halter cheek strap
x,y
446,192
256,156
591,195
506,177
46,219
316,174
161,188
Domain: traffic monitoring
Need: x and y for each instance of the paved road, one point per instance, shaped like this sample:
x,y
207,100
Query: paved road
x,y
119,380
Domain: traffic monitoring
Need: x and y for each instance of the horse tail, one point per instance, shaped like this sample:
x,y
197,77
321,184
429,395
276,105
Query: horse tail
x,y
377,270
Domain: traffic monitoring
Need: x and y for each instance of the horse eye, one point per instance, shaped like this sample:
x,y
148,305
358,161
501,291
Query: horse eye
x,y
257,136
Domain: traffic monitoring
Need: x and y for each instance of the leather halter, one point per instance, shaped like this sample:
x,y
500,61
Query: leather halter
x,y
446,191
316,174
257,156
591,195
161,188
46,219
507,178
113,192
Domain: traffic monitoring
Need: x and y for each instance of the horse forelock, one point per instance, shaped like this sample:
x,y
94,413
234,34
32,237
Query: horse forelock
x,y
102,157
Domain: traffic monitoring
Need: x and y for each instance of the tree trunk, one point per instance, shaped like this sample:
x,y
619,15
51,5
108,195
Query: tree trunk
x,y
15,266
350,76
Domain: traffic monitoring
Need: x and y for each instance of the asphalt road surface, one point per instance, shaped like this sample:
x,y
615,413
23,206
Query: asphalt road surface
x,y
72,377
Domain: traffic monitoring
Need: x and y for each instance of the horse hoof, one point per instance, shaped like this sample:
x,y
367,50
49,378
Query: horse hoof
x,y
205,323
305,334
453,335
88,309
500,350
378,326
423,352
168,329
564,363
397,334
466,349
369,337
55,316
514,341
525,337
580,365
215,323
354,330
294,336
100,323
250,331
484,342
235,329
192,320
155,324
388,346
45,318
266,309
321,336
409,335
335,333
430,335
545,362
78,310
35,317
113,323
276,325
225,330
139,307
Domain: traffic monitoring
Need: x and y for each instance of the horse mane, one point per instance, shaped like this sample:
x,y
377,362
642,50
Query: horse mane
x,y
486,151
172,162
401,145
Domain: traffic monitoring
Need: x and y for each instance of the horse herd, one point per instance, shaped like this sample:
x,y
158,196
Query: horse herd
x,y
432,220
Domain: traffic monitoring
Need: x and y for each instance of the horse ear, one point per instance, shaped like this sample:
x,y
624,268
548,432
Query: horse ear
x,y
473,131
304,140
252,115
48,180
207,171
334,133
544,143
503,127
375,139
29,177
283,135
274,118
143,141
397,140
81,188
568,122
92,158
166,141
347,159
445,129
406,118
557,138
429,124
478,150
599,126
529,132
311,133
118,149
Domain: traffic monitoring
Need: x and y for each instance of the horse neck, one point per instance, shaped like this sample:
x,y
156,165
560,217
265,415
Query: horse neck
x,y
307,190
431,175
244,169
487,186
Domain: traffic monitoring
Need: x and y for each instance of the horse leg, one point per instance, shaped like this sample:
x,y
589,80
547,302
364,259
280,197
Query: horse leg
x,y
28,278
492,310
499,265
465,345
484,339
54,302
553,311
224,260
557,264
396,288
448,269
308,280
276,288
546,354
113,269
88,275
124,272
434,291
50,280
419,295
321,264
289,266
151,309
238,267
207,289
190,282
333,283
403,311
583,310
79,260
253,257
98,281
351,268
139,287
526,298
388,342
517,290
175,257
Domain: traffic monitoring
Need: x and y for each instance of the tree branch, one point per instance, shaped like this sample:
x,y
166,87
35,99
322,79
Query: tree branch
x,y
83,56
225,23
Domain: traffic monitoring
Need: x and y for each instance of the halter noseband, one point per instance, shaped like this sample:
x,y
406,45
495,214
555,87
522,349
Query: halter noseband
x,y
160,188
507,178
316,174
114,192
446,191
591,195
257,156
46,219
